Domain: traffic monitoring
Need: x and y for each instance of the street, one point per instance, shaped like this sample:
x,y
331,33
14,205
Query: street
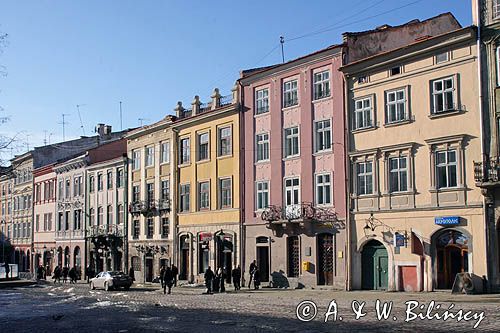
x,y
62,308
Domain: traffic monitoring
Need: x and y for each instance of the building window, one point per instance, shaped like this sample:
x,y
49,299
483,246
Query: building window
x,y
109,215
362,113
60,190
225,142
321,85
323,135
364,178
37,224
150,227
496,9
446,168
77,222
136,193
165,227
109,179
184,197
150,194
443,99
99,182
291,141
150,156
262,143
442,57
203,152
67,188
165,152
100,215
119,218
91,217
292,192
290,96
136,160
262,101
135,229
262,193
66,220
184,151
395,71
165,189
396,106
323,189
398,174
225,193
91,184
204,196
77,186
362,79
119,178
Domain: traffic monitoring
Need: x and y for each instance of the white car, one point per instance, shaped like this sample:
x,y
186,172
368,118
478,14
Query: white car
x,y
111,280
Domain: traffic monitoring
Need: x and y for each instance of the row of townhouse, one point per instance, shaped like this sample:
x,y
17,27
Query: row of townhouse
x,y
371,164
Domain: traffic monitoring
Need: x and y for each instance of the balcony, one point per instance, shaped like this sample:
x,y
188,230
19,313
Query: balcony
x,y
149,207
302,212
164,205
486,174
105,230
69,234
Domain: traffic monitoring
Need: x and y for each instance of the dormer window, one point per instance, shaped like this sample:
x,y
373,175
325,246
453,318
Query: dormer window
x,y
395,71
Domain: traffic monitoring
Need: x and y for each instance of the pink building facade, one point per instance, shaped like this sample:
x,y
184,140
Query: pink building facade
x,y
293,183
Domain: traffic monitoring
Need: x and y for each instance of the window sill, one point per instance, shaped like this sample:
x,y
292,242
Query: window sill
x,y
149,167
447,189
364,196
322,99
262,162
203,161
258,115
290,107
398,123
396,194
323,152
445,114
184,165
165,163
364,129
291,158
224,157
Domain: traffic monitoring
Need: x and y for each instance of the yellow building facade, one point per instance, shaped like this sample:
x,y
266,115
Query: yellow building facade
x,y
207,179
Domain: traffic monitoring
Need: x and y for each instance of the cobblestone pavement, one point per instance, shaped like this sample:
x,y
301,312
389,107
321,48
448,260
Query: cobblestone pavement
x,y
62,308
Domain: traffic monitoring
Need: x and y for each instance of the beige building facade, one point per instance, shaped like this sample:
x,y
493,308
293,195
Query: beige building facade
x,y
414,126
150,213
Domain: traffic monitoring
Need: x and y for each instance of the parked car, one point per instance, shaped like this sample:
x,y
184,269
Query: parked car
x,y
111,280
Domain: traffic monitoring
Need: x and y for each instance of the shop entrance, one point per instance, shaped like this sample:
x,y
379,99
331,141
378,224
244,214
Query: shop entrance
x,y
325,259
452,257
375,262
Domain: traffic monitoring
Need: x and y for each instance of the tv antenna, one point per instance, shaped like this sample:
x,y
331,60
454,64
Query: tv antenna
x,y
64,123
80,117
141,120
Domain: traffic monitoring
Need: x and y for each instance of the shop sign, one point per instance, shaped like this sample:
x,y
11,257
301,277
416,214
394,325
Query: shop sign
x,y
205,236
447,220
399,240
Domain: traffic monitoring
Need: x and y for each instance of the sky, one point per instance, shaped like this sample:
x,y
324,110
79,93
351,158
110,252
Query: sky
x,y
149,54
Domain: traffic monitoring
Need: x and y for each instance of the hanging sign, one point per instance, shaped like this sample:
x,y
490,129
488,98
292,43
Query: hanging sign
x,y
205,236
399,240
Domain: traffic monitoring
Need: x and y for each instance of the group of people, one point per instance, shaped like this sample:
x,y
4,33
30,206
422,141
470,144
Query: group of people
x,y
65,273
215,281
168,278
42,272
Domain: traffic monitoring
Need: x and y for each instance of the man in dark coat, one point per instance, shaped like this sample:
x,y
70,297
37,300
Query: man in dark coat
x,y
65,272
168,280
7,269
131,273
256,278
162,272
72,275
253,267
209,278
236,275
175,272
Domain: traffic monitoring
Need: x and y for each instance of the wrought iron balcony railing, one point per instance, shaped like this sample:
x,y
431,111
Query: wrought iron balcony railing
x,y
104,230
148,207
487,172
300,212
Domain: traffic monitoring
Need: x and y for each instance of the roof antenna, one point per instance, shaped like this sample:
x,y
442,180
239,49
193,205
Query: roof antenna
x,y
282,41
64,123
80,116
121,117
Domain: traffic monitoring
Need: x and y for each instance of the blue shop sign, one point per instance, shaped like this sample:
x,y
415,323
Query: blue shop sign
x,y
399,240
447,220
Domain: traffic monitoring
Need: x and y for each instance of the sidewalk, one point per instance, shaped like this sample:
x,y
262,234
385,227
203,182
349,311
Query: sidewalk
x,y
4,284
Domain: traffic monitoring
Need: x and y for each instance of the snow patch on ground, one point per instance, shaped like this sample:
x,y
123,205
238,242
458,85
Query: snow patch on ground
x,y
69,290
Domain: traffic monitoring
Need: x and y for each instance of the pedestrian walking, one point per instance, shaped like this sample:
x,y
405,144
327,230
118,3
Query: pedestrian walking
x,y
72,275
47,271
221,276
65,272
162,272
39,272
7,269
168,280
253,267
236,275
57,274
209,278
256,278
175,272
131,274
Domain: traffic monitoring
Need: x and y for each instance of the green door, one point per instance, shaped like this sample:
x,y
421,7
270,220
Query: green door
x,y
375,262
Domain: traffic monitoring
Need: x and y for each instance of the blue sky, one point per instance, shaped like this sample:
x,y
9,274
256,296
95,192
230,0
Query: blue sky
x,y
150,54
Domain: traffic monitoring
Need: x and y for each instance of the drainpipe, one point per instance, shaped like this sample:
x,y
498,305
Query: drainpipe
x,y
481,127
242,182
173,196
125,212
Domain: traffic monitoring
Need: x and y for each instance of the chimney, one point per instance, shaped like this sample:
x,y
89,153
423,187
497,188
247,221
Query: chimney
x,y
107,129
179,110
99,129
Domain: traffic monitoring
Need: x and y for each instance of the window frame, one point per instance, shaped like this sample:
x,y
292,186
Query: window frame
x,y
184,150
165,152
318,134
446,165
136,159
184,207
229,152
229,197
395,103
263,99
323,83
290,137
364,174
454,93
261,191
149,152
199,144
262,144
204,196
370,111
290,92
398,170
324,184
